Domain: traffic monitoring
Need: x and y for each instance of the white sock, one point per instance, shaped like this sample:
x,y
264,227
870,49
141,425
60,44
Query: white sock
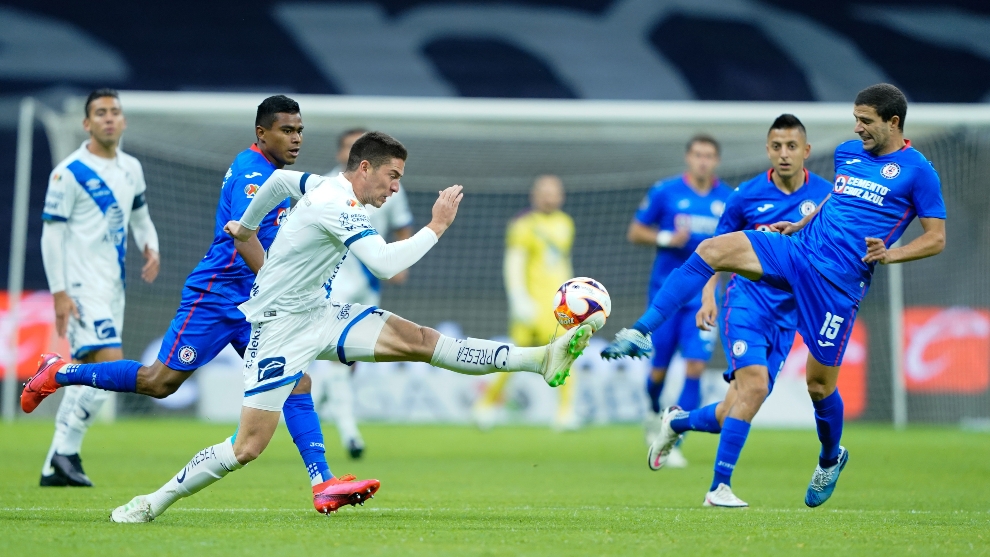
x,y
342,402
79,417
208,466
473,356
65,408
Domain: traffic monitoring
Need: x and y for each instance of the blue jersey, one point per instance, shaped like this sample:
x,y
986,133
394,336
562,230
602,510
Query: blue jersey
x,y
755,205
221,271
873,196
671,204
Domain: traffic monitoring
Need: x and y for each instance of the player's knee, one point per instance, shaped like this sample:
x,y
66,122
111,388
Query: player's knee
x,y
305,385
753,385
818,390
161,381
247,452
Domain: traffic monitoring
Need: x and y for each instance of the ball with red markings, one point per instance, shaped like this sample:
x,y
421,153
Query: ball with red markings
x,y
582,300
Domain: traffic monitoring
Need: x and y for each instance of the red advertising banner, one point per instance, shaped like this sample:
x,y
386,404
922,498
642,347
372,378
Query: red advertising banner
x,y
946,350
37,332
852,376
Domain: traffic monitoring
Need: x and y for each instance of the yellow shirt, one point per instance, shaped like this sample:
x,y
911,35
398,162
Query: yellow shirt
x,y
547,239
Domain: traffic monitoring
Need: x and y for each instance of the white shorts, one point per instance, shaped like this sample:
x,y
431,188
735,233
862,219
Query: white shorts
x,y
281,349
101,320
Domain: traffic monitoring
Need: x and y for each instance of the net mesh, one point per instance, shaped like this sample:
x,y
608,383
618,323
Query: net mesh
x,y
606,170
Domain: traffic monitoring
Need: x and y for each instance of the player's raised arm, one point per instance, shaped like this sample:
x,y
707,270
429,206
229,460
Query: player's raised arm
x,y
930,243
278,186
787,228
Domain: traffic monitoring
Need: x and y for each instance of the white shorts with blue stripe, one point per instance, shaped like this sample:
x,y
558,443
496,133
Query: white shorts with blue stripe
x,y
281,349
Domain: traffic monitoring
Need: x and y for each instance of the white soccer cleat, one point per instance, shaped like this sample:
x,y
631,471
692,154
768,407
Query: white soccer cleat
x,y
723,497
137,510
663,443
676,458
562,352
652,425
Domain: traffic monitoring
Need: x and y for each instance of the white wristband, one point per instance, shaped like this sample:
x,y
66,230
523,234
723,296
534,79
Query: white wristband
x,y
664,237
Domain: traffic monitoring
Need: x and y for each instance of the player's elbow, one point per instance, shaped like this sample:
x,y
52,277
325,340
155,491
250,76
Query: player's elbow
x,y
382,273
938,242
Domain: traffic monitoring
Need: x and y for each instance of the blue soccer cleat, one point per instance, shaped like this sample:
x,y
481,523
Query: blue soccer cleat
x,y
823,481
628,342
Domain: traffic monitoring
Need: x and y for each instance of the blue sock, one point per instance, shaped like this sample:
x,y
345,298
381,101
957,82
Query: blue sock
x,y
304,426
653,390
691,394
119,376
730,444
699,419
681,286
828,417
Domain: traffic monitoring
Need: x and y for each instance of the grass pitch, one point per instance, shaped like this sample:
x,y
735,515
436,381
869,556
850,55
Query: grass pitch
x,y
513,491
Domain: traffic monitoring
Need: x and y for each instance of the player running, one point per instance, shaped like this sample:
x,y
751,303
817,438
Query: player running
x,y
676,215
355,283
295,320
826,260
93,196
208,319
760,320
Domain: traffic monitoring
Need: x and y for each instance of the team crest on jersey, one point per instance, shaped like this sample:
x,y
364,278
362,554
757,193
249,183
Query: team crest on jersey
x,y
251,189
718,207
739,348
187,354
807,207
890,170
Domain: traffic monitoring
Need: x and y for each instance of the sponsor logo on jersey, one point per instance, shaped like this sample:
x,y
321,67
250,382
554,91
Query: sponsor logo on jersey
x,y
890,170
853,161
252,175
187,354
718,207
858,187
270,368
251,189
739,348
230,172
92,183
764,207
807,207
352,203
684,204
104,329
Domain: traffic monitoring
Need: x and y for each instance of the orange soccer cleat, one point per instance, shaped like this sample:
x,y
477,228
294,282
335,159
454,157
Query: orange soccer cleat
x,y
42,383
345,490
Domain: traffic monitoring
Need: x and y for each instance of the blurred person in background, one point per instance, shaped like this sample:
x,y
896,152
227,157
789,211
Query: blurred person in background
x,y
93,196
676,215
355,283
537,261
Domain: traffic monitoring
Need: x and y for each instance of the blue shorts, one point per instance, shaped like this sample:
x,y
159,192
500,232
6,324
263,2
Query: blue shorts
x,y
751,338
825,312
681,333
203,325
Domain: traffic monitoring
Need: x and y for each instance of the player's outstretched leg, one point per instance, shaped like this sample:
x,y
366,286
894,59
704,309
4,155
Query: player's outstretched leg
x,y
54,372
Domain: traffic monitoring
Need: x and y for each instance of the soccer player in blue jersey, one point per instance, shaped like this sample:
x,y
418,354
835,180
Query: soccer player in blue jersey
x,y
759,320
826,259
208,319
676,215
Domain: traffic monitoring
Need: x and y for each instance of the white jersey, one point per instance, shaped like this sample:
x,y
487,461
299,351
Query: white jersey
x,y
95,197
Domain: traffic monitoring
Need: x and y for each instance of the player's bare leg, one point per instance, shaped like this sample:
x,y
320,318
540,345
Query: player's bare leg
x,y
828,417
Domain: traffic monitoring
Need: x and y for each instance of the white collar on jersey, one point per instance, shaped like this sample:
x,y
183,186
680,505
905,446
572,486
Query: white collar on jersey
x,y
99,162
348,187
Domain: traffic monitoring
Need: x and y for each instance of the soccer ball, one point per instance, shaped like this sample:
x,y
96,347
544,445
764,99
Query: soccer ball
x,y
582,300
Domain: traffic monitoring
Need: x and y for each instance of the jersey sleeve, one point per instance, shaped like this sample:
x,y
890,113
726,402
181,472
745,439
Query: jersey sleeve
x,y
733,218
651,209
61,196
140,199
926,195
399,215
251,203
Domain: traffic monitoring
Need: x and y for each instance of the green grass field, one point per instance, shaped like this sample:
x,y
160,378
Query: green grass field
x,y
513,491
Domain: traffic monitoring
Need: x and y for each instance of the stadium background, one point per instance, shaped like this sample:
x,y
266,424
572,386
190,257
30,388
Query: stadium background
x,y
935,52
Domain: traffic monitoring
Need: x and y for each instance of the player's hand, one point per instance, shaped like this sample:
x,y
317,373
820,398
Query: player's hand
x,y
236,231
705,318
65,308
876,251
400,277
152,263
445,209
785,227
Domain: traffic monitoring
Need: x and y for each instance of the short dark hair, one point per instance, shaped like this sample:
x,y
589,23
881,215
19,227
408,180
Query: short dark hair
x,y
347,133
887,100
377,148
270,107
703,138
787,122
99,94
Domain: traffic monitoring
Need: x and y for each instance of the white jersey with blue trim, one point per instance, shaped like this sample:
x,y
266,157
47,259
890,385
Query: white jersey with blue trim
x,y
305,257
94,196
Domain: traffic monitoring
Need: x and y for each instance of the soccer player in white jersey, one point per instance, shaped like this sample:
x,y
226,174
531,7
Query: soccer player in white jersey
x,y
93,195
295,320
355,283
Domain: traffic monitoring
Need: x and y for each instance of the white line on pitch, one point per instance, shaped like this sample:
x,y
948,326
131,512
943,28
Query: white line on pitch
x,y
496,509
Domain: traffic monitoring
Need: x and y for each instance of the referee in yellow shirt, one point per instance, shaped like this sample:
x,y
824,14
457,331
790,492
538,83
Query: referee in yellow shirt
x,y
537,261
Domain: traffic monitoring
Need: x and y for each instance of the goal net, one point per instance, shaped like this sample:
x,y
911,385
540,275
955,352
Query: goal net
x,y
607,154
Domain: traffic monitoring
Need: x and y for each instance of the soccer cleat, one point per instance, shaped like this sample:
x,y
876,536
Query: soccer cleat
x,y
137,510
663,444
562,352
722,496
628,342
70,467
53,480
355,448
345,490
824,479
42,383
